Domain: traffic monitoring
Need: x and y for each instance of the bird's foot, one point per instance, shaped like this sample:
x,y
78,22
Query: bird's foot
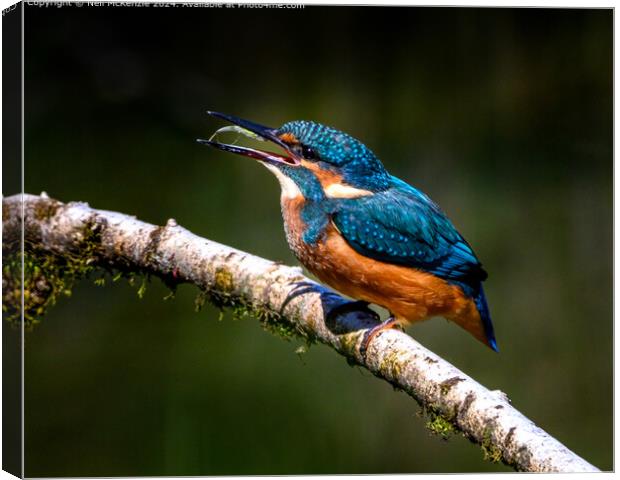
x,y
388,324
347,307
345,316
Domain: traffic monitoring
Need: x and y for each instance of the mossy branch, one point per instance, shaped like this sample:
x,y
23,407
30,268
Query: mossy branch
x,y
65,241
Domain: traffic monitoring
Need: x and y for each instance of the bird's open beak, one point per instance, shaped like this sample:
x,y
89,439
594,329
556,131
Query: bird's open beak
x,y
262,132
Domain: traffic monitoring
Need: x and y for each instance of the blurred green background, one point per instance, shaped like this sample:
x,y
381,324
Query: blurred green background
x,y
503,116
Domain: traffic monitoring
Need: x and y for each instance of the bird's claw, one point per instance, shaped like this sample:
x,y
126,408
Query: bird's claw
x,y
388,324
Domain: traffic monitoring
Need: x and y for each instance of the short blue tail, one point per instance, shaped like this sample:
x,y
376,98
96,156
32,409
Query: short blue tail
x,y
483,309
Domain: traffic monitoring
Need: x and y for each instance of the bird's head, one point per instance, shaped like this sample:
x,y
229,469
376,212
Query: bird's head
x,y
317,161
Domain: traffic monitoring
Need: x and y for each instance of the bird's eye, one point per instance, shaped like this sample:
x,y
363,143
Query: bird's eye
x,y
308,153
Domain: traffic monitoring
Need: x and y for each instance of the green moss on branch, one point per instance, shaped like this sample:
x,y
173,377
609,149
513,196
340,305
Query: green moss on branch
x,y
48,276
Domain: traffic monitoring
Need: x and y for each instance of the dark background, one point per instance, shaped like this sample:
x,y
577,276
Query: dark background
x,y
503,116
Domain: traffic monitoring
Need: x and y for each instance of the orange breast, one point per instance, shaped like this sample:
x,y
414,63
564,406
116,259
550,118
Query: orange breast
x,y
293,225
411,295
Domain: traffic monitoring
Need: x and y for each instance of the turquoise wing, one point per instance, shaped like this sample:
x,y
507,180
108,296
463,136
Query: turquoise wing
x,y
403,226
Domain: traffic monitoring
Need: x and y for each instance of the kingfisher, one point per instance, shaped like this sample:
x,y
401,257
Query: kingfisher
x,y
364,232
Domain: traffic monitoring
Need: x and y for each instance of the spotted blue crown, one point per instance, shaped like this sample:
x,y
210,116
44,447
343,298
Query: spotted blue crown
x,y
354,160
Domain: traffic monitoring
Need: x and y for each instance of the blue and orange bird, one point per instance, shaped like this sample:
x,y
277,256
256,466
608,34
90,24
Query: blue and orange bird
x,y
366,233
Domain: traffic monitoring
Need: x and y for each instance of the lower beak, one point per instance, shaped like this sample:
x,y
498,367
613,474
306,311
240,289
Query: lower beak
x,y
265,133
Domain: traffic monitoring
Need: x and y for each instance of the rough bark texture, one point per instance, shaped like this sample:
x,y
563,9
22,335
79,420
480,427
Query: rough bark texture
x,y
287,299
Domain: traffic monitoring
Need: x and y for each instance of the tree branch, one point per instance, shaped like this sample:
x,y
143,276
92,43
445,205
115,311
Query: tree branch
x,y
283,298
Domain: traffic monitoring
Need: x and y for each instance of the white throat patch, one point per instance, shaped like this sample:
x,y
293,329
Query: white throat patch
x,y
290,190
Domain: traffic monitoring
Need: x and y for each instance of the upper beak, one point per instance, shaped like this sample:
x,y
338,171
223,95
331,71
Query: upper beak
x,y
266,133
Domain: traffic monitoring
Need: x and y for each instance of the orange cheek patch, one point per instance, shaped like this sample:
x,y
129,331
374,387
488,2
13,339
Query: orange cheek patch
x,y
289,138
325,177
333,184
